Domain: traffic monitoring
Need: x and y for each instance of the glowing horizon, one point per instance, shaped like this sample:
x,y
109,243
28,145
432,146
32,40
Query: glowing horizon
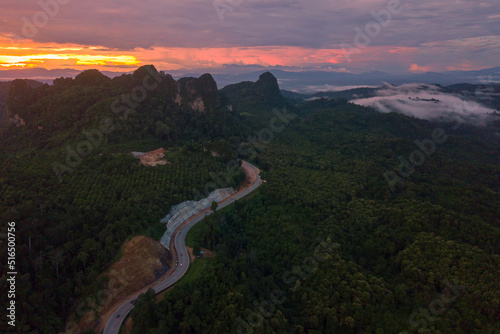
x,y
56,56
353,36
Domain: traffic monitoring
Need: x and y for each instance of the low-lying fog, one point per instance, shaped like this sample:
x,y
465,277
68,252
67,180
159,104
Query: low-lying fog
x,y
427,102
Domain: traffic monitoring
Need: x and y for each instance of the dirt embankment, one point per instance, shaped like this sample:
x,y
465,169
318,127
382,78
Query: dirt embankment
x,y
250,178
153,158
143,261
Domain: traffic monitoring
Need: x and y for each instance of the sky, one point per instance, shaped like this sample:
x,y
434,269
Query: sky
x,y
396,36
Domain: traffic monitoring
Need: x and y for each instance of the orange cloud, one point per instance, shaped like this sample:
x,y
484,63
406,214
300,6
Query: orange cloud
x,y
215,57
419,69
403,50
53,55
465,66
74,56
32,60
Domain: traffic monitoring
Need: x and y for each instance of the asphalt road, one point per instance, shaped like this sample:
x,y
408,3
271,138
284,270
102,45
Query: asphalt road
x,y
115,321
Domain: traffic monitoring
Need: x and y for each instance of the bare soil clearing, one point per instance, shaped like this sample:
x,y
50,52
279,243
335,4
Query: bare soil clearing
x,y
144,260
153,158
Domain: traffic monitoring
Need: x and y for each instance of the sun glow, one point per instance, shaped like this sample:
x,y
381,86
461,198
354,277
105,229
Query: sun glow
x,y
29,54
55,55
77,59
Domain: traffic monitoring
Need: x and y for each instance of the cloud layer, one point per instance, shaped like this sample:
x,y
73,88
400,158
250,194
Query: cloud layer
x,y
427,102
422,35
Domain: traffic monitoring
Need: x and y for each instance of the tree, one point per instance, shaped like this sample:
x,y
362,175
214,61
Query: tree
x,y
57,257
214,206
83,256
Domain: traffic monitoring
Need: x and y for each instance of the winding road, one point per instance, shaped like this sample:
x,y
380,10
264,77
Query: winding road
x,y
179,252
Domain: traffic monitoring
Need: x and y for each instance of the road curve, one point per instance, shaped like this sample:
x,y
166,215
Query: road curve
x,y
179,252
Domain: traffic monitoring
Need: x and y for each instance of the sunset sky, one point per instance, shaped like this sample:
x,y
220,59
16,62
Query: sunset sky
x,y
120,35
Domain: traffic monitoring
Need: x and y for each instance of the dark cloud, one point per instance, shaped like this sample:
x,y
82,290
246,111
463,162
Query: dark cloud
x,y
196,23
126,24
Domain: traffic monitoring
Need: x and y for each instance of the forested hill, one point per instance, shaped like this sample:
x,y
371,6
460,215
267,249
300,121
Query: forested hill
x,y
405,212
485,94
68,180
143,105
140,105
256,100
328,247
4,93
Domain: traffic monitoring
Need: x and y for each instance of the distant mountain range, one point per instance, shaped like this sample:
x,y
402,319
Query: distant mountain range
x,y
298,81
190,107
488,95
254,99
314,81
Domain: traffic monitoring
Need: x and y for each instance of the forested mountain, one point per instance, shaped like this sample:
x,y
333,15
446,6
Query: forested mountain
x,y
421,259
486,94
140,105
75,191
349,233
4,93
348,94
256,100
